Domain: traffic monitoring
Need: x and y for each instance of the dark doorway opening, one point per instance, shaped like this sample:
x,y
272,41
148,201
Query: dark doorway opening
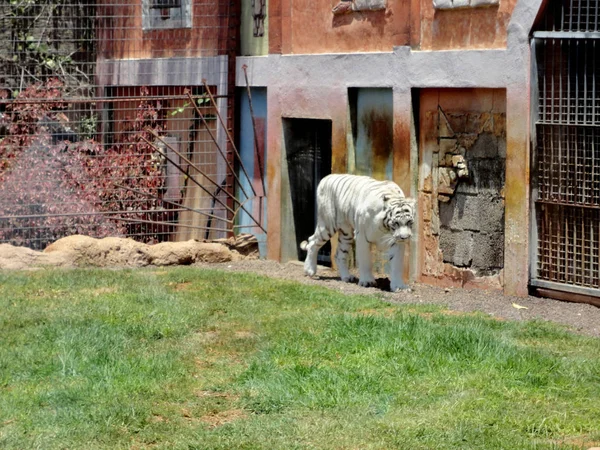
x,y
308,153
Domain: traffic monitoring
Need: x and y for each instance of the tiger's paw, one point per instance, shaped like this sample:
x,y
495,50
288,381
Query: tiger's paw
x,y
367,283
350,279
399,287
309,270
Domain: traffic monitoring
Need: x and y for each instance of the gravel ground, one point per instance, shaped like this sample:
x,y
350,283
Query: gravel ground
x,y
581,318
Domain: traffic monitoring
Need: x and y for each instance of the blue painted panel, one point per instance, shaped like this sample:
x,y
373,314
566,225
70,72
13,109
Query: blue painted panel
x,y
248,157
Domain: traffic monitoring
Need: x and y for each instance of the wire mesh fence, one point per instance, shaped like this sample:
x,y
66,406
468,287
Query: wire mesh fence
x,y
114,119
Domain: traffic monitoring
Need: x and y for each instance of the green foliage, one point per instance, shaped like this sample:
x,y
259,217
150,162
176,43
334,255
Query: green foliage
x,y
188,358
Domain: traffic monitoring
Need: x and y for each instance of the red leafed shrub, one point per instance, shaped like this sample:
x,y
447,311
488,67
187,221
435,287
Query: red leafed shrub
x,y
36,104
51,191
41,204
128,176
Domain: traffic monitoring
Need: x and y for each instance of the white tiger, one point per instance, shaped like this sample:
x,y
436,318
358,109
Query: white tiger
x,y
367,211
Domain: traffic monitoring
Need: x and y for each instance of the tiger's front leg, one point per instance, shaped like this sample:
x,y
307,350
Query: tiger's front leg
x,y
363,258
397,267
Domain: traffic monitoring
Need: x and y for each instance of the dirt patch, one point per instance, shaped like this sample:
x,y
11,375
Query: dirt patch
x,y
579,317
244,335
220,418
85,251
180,286
217,394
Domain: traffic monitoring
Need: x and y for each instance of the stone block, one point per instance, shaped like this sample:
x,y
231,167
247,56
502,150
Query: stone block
x,y
489,257
447,177
487,123
457,121
474,213
502,147
426,208
428,184
435,223
499,124
486,176
457,247
486,146
447,146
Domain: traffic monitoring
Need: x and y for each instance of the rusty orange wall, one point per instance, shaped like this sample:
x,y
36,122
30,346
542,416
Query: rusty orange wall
x,y
121,35
304,26
465,28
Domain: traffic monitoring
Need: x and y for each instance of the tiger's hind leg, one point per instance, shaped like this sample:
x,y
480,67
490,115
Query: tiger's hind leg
x,y
312,247
341,255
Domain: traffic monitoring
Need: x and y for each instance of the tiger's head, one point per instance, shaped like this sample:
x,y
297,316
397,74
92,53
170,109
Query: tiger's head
x,y
399,217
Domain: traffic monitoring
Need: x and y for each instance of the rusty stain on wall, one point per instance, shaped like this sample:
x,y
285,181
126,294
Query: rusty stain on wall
x,y
379,130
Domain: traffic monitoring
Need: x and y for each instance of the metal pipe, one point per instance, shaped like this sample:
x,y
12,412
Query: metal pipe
x,y
226,230
185,208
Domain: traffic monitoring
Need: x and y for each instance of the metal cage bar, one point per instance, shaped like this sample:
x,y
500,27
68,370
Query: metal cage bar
x,y
566,154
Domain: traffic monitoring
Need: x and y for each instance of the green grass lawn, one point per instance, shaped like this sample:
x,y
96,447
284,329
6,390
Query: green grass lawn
x,y
196,359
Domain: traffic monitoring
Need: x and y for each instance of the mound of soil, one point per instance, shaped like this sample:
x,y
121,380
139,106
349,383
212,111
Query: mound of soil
x,y
85,251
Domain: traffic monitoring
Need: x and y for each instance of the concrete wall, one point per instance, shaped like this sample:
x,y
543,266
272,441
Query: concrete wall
x,y
316,86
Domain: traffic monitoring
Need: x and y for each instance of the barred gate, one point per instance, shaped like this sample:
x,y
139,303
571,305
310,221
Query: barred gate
x,y
116,120
566,156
